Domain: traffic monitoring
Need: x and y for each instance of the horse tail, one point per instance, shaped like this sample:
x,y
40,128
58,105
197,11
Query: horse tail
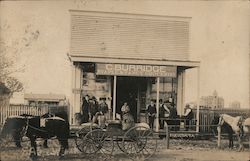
x,y
6,128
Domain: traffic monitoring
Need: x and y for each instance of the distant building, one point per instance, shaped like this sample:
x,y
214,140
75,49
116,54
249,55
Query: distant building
x,y
213,102
43,99
234,105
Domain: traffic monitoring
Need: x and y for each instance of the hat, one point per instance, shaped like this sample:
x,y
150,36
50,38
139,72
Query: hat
x,y
167,101
103,98
93,98
153,100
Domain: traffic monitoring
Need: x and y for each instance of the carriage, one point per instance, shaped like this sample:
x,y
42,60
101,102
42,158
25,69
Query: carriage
x,y
138,141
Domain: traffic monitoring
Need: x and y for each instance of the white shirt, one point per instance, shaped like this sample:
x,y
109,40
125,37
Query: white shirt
x,y
187,111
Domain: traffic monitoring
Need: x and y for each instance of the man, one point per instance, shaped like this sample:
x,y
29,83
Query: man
x,y
151,110
163,113
174,121
103,107
93,107
85,109
102,112
188,115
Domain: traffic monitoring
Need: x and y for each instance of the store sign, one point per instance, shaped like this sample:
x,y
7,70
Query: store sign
x,y
135,70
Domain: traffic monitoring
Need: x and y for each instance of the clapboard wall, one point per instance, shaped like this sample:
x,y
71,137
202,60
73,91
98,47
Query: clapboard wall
x,y
117,35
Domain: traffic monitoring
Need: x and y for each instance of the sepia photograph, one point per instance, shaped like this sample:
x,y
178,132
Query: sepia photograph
x,y
125,80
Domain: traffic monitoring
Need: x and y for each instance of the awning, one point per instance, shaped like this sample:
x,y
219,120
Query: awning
x,y
142,61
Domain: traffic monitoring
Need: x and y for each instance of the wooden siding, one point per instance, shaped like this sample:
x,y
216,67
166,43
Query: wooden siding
x,y
126,37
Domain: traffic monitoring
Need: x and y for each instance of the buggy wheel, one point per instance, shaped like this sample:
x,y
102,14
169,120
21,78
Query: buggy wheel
x,y
99,140
139,142
120,144
81,144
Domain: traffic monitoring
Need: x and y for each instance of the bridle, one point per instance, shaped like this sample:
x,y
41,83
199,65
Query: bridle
x,y
221,120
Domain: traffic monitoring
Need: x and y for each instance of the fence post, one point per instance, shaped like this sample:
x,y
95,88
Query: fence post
x,y
167,135
219,136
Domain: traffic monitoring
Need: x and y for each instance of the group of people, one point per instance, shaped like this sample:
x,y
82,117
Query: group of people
x,y
91,109
167,110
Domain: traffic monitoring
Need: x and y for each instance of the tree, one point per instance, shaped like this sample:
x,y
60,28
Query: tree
x,y
10,51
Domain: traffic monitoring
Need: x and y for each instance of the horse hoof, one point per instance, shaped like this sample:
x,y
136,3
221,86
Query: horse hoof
x,y
33,157
61,157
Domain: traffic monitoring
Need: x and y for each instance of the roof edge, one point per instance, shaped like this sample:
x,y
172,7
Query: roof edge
x,y
186,63
129,15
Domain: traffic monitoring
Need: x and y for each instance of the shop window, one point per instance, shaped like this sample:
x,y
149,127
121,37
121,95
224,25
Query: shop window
x,y
167,89
92,84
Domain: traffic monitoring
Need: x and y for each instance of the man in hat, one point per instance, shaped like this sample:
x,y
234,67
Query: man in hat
x,y
188,115
85,109
103,107
163,113
151,111
93,108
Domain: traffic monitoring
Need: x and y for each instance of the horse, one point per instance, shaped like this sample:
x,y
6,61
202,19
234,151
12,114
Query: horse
x,y
225,128
245,128
33,127
17,134
234,122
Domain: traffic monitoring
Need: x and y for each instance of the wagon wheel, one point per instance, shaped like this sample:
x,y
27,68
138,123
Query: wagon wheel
x,y
79,140
99,140
139,142
120,144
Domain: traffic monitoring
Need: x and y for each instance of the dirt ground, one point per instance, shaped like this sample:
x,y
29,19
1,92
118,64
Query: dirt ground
x,y
180,150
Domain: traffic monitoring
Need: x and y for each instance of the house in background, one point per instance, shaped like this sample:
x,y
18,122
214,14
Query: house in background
x,y
44,99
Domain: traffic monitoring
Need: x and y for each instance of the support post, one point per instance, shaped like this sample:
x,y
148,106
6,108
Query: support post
x,y
114,97
198,102
219,136
167,134
157,103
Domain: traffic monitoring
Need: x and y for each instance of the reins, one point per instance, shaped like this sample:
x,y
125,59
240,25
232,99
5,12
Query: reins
x,y
24,131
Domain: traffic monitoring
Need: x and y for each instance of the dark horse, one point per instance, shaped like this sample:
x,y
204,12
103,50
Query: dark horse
x,y
225,128
33,127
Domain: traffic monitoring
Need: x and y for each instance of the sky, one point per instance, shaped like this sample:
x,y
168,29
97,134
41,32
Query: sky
x,y
219,39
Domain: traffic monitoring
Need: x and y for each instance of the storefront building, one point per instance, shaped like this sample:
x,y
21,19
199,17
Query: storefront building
x,y
129,58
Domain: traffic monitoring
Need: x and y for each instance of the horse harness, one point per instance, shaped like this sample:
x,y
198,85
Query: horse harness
x,y
25,128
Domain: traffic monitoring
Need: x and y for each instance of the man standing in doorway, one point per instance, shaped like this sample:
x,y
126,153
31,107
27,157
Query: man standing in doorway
x,y
151,110
163,113
85,109
188,116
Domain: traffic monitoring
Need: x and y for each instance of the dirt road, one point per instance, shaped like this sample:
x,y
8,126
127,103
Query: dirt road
x,y
180,150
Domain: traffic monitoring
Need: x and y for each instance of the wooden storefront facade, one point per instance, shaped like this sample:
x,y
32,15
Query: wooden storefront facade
x,y
129,58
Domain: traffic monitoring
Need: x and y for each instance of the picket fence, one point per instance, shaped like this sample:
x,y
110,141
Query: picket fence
x,y
15,110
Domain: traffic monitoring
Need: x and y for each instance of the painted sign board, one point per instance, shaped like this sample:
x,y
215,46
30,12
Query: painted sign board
x,y
136,70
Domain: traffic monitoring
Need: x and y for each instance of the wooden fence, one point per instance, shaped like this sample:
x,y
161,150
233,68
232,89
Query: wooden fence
x,y
15,110
206,116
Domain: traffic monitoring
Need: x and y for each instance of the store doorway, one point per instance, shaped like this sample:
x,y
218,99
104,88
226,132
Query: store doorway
x,y
131,90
